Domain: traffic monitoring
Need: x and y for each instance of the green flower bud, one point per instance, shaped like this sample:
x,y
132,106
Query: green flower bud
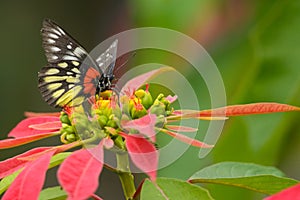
x,y
131,104
71,137
107,111
69,129
158,109
127,104
102,119
97,112
147,100
101,133
117,121
85,134
116,112
138,111
169,112
64,125
160,121
64,118
140,93
125,118
112,123
111,117
158,99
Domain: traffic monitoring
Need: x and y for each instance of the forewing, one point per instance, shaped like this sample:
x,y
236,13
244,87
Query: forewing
x,y
70,75
59,45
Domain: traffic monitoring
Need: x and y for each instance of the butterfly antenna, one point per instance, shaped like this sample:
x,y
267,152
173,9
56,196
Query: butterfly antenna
x,y
116,90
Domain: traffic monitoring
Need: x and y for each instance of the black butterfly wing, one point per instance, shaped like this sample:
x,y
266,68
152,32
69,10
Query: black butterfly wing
x,y
107,60
59,45
70,75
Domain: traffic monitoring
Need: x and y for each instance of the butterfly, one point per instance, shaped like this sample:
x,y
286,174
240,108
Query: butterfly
x,y
72,75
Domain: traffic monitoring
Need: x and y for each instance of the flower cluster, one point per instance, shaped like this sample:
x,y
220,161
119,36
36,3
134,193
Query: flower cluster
x,y
127,122
137,113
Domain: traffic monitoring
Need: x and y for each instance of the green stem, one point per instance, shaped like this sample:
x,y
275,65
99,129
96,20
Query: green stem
x,y
126,178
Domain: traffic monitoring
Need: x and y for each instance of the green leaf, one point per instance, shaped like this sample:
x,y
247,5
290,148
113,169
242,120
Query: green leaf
x,y
55,160
53,193
58,158
6,181
166,188
268,180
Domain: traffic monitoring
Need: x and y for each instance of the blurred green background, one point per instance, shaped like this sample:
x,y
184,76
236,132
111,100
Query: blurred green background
x,y
255,44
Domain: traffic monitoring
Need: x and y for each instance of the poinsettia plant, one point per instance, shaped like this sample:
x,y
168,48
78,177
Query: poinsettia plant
x,y
126,125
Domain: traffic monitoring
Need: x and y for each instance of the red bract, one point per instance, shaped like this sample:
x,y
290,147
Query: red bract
x,y
234,110
248,109
34,114
30,181
187,140
142,153
108,143
57,149
9,143
292,193
145,125
47,126
181,128
35,125
138,81
79,173
95,197
32,129
11,165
